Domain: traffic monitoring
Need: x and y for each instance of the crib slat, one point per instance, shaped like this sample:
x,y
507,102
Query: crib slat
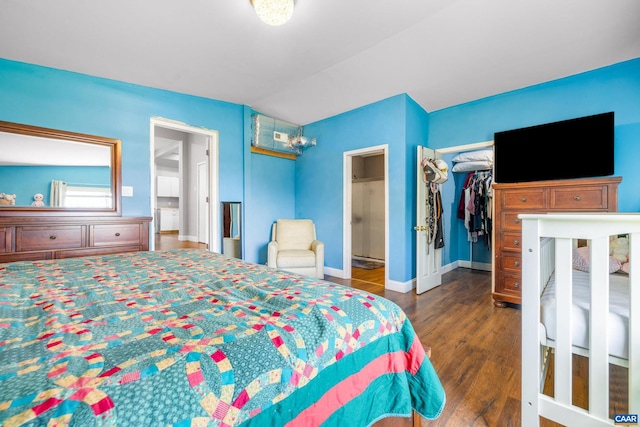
x,y
634,323
530,323
563,355
599,328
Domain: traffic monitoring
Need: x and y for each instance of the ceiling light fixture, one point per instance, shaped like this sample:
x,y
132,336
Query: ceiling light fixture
x,y
273,12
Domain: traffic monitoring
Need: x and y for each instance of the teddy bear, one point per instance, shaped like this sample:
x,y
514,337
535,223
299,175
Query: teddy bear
x,y
619,249
38,200
7,199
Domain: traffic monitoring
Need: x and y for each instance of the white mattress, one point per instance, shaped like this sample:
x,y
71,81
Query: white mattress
x,y
618,312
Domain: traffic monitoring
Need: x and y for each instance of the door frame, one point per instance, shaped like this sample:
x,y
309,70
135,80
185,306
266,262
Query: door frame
x,y
214,197
347,204
202,205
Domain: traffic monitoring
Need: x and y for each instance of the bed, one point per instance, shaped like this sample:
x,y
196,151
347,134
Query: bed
x,y
576,312
189,337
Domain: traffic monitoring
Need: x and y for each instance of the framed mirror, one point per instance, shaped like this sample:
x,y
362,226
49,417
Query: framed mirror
x,y
57,172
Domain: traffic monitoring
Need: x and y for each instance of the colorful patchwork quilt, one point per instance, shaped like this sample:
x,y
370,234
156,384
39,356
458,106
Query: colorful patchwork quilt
x,y
191,338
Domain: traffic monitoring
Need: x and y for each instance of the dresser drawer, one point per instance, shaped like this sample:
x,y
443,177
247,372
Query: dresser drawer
x,y
40,238
5,239
509,283
579,198
511,241
511,262
510,221
524,199
115,235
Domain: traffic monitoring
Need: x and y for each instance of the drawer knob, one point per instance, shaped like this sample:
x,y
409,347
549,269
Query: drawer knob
x,y
516,242
516,221
523,199
517,263
117,234
576,198
52,237
516,285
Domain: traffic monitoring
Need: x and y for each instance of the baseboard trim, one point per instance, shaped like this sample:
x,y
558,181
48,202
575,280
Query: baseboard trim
x,y
475,265
335,272
403,287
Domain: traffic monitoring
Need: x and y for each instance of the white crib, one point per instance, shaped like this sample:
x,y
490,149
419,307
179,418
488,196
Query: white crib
x,y
547,244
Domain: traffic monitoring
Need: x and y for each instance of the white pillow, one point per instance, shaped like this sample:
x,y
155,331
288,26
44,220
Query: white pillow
x,y
472,166
472,156
582,262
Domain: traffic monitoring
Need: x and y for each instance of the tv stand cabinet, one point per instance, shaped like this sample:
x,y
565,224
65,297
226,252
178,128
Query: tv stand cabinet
x,y
572,195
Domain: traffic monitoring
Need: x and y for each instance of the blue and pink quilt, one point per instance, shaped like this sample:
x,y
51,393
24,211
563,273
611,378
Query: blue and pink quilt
x,y
192,338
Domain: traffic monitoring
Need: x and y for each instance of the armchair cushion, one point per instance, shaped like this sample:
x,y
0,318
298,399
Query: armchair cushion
x,y
294,247
289,258
294,233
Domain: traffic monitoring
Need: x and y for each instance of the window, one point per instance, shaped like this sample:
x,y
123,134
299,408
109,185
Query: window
x,y
87,197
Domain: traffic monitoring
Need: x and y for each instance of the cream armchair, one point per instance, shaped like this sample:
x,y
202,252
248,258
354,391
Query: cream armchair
x,y
293,247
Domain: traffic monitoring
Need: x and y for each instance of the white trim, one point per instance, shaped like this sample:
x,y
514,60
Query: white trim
x,y
405,287
450,267
474,265
214,197
334,272
347,207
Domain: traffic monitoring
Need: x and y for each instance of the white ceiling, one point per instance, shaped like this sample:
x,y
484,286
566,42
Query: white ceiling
x,y
333,56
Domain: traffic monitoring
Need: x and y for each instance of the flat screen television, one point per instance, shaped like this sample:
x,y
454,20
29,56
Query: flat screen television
x,y
575,148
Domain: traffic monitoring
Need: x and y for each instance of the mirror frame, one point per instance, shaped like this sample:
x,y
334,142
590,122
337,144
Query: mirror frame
x,y
116,172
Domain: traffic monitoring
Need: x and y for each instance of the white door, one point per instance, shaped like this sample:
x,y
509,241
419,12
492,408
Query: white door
x,y
428,259
203,205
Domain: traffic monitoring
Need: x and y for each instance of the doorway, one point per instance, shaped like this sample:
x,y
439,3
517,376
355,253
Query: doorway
x,y
178,183
366,215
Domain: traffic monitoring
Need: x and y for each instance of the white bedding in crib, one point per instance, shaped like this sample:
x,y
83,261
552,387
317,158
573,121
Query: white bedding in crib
x,y
618,312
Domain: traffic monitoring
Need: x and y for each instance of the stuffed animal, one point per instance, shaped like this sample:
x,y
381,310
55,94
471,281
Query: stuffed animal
x,y
619,249
38,200
7,199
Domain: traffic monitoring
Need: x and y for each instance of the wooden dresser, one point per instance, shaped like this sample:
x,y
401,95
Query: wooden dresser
x,y
29,238
576,195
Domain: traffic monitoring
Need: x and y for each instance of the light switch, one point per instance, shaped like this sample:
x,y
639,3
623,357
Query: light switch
x,y
127,191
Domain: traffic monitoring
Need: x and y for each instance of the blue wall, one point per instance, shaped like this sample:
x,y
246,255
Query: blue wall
x,y
269,194
614,88
400,122
75,102
319,175
311,187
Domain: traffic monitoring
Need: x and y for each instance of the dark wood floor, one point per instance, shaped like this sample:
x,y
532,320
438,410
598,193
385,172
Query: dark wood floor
x,y
476,346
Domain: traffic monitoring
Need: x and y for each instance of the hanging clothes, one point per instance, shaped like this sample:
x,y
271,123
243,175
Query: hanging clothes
x,y
434,173
475,206
434,212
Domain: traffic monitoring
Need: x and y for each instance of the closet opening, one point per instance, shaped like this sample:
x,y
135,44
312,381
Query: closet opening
x,y
468,206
